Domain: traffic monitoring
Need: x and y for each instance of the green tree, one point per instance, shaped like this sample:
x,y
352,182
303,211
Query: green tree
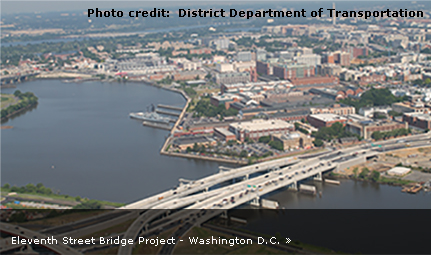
x,y
377,135
195,147
278,145
364,173
243,154
89,204
30,188
317,142
264,139
355,172
375,176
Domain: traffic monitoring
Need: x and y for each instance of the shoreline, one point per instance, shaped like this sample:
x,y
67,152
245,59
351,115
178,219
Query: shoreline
x,y
7,117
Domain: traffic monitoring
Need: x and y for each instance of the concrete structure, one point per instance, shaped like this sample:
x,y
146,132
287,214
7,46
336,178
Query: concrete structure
x,y
369,111
255,87
314,82
292,71
293,140
366,128
257,128
399,171
225,99
224,67
325,119
224,134
309,59
232,77
275,174
420,120
334,109
189,75
243,56
184,142
410,107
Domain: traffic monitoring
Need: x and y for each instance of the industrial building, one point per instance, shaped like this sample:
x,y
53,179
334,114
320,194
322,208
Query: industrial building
x,y
232,77
293,140
224,134
259,127
325,119
420,120
334,109
366,128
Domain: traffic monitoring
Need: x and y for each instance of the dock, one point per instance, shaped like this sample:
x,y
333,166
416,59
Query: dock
x,y
176,114
170,107
413,189
156,125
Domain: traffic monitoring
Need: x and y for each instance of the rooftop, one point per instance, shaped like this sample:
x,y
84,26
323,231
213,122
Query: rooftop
x,y
327,117
260,124
224,131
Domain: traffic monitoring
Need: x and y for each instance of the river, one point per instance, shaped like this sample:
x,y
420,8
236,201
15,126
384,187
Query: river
x,y
80,141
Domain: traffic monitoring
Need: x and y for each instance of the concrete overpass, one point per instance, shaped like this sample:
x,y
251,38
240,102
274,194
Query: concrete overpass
x,y
280,173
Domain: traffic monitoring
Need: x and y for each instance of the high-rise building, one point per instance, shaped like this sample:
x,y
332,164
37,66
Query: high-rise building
x,y
243,56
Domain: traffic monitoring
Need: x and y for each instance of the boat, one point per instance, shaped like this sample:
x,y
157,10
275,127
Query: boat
x,y
150,116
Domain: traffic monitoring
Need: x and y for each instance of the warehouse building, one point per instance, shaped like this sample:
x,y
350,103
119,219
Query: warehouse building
x,y
257,128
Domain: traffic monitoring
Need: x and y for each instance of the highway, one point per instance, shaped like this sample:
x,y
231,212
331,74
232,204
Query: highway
x,y
205,198
276,174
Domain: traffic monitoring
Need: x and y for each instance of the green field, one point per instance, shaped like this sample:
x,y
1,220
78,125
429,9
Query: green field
x,y
7,99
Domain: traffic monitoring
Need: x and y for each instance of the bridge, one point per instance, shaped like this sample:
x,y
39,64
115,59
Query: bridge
x,y
11,79
194,202
274,175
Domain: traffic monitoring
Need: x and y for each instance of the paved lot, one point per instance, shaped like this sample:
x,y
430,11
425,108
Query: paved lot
x,y
417,176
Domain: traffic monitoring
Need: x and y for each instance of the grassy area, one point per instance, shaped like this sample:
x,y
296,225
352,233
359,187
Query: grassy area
x,y
48,197
394,181
6,99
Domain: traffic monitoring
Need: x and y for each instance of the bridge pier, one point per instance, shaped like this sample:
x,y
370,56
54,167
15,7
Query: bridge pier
x,y
255,202
246,177
293,186
318,177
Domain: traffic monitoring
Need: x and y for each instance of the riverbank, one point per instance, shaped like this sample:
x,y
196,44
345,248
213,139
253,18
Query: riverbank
x,y
10,195
5,118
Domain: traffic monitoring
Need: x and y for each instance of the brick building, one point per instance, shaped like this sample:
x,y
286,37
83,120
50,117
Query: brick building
x,y
366,128
292,71
224,134
374,78
325,119
334,109
419,120
314,82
